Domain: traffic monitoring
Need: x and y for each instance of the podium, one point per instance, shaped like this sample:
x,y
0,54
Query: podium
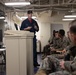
x,y
19,52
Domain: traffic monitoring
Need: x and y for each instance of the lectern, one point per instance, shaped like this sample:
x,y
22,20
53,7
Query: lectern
x,y
19,52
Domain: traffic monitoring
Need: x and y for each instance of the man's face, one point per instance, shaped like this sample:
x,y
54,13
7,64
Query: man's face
x,y
30,15
56,35
59,35
72,37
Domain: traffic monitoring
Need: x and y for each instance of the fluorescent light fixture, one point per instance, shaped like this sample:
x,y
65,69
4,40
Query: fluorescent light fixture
x,y
17,3
67,19
71,11
34,17
69,16
2,17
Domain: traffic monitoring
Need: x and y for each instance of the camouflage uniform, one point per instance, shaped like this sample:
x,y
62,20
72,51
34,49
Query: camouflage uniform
x,y
59,43
56,42
69,66
50,41
46,49
46,63
63,43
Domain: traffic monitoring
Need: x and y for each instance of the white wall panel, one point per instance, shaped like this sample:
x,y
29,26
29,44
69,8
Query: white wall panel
x,y
45,33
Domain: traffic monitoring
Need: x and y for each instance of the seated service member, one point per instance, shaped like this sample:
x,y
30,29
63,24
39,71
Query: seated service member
x,y
64,40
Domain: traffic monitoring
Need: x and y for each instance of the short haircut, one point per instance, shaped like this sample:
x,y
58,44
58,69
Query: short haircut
x,y
73,27
56,31
72,23
29,12
61,32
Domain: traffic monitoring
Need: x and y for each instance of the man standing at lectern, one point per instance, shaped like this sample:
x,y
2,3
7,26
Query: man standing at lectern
x,y
31,25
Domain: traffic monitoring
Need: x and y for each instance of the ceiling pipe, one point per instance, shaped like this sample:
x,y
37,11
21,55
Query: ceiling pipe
x,y
69,1
74,1
52,5
36,10
45,6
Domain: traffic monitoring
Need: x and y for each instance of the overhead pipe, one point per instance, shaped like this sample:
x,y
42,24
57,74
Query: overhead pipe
x,y
74,1
36,10
46,6
69,1
52,5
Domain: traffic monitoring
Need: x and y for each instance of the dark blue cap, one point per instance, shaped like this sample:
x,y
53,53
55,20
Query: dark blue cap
x,y
29,12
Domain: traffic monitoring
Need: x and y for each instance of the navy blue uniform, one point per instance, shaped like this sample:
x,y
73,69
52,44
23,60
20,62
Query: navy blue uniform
x,y
26,23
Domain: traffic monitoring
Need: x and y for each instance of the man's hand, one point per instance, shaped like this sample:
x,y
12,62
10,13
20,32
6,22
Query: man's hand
x,y
52,49
64,51
62,64
28,28
35,27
